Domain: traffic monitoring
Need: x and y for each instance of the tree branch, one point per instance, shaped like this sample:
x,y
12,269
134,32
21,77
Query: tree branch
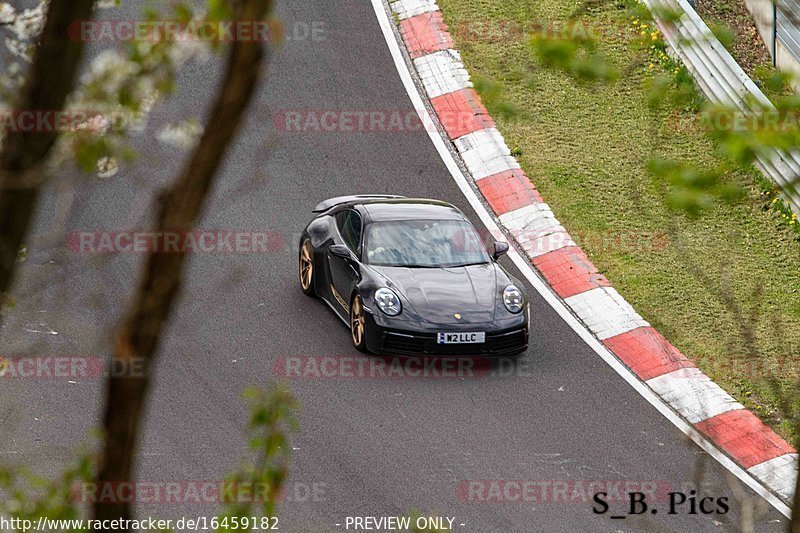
x,y
138,336
49,82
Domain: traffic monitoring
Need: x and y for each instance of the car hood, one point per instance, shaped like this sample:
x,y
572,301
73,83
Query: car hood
x,y
437,294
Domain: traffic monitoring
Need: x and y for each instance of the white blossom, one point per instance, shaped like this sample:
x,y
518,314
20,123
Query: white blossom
x,y
184,50
184,134
107,167
109,74
29,23
11,80
111,69
18,49
97,124
7,13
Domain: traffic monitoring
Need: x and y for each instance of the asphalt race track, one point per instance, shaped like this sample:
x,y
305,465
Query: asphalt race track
x,y
366,447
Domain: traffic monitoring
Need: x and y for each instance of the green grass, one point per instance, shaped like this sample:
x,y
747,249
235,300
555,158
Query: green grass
x,y
586,148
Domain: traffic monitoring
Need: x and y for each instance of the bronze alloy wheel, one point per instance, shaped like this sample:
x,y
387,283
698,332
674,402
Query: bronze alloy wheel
x,y
358,324
307,267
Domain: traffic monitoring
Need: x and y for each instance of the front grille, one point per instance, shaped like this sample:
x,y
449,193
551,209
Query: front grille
x,y
401,343
425,344
508,341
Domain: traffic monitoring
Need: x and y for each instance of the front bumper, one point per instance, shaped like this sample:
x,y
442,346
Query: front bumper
x,y
384,340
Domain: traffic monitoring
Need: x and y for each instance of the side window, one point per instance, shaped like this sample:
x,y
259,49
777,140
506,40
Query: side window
x,y
349,224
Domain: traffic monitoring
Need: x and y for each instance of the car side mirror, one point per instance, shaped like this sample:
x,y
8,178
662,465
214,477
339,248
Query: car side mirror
x,y
500,248
341,250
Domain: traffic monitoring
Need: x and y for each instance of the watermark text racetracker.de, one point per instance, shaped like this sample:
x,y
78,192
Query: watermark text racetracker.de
x,y
194,523
566,491
69,367
349,367
68,120
171,492
240,241
362,120
629,497
196,241
153,31
503,30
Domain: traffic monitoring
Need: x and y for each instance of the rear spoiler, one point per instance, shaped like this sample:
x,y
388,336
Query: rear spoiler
x,y
331,202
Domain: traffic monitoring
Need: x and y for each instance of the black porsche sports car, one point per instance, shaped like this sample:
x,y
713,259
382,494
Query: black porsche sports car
x,y
412,277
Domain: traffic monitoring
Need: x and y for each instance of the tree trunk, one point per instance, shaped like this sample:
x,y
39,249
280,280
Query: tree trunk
x,y
138,336
50,79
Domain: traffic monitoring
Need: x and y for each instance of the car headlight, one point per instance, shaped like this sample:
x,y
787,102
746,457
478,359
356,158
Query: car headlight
x,y
512,299
388,302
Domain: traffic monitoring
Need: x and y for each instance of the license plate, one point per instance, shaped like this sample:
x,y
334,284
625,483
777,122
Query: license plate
x,y
461,338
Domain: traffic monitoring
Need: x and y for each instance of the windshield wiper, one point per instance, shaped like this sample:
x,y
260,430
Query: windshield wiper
x,y
466,264
413,265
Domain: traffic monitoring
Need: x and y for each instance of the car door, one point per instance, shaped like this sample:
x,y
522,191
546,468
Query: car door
x,y
345,272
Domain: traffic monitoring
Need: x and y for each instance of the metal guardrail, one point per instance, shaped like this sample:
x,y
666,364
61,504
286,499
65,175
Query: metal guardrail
x,y
787,13
723,82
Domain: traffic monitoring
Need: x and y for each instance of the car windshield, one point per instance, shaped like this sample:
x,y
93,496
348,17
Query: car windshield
x,y
424,244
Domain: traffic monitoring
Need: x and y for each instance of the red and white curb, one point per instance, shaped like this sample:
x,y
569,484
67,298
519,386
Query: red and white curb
x,y
571,275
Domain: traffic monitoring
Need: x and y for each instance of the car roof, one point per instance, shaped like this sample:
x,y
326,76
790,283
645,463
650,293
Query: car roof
x,y
381,210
